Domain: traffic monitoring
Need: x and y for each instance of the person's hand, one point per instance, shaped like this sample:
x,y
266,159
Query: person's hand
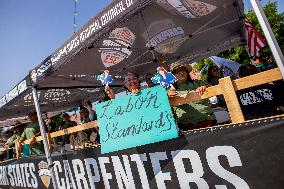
x,y
18,148
6,146
172,92
32,141
135,91
84,102
110,92
201,90
47,121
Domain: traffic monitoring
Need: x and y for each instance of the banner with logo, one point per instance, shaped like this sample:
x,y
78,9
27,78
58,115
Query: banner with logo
x,y
242,156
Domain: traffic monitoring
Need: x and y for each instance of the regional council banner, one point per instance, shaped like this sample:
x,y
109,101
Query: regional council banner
x,y
241,156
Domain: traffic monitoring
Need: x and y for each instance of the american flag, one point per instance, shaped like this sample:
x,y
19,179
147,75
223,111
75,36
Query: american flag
x,y
254,39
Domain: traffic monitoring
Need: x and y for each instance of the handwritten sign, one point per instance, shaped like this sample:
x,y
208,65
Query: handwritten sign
x,y
136,120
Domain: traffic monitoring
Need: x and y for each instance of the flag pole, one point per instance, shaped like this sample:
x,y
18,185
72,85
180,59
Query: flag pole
x,y
276,51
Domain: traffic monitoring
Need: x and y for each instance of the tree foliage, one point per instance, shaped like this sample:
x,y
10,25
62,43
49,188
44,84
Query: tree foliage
x,y
240,54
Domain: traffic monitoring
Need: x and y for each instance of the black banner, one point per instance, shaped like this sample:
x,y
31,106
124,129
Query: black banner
x,y
242,156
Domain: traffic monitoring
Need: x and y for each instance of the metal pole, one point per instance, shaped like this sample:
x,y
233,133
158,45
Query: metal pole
x,y
43,134
276,51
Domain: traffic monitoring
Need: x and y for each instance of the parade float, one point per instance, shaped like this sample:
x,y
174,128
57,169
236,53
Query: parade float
x,y
133,35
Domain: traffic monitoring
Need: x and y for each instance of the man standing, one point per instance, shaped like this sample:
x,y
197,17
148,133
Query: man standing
x,y
31,147
10,144
66,123
194,115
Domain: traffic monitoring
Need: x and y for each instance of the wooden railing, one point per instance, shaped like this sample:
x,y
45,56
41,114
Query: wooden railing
x,y
226,86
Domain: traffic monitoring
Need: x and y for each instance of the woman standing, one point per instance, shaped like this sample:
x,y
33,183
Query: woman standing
x,y
193,115
131,84
213,75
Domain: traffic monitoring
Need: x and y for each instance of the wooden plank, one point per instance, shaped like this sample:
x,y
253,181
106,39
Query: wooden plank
x,y
82,127
258,79
192,96
183,99
49,141
239,84
231,99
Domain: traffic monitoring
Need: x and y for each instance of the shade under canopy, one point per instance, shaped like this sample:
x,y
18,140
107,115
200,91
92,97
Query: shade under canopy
x,y
128,36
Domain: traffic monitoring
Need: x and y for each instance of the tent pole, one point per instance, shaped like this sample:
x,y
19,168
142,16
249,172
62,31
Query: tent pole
x,y
276,51
43,134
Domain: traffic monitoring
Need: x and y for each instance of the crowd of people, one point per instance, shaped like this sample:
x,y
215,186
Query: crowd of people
x,y
255,102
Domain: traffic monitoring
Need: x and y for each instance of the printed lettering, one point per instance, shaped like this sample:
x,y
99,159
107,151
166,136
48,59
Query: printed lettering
x,y
160,176
106,176
11,176
93,176
139,159
197,170
22,167
33,177
212,156
79,173
70,182
58,169
27,175
122,176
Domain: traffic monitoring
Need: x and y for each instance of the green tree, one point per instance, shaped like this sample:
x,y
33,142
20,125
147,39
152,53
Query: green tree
x,y
276,20
239,53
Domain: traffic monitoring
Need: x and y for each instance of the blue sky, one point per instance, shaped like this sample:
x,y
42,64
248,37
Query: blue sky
x,y
31,30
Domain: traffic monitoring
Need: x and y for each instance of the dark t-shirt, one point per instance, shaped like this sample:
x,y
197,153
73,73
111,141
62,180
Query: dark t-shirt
x,y
257,102
65,137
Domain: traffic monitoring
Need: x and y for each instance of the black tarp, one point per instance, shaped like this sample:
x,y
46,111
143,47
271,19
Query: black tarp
x,y
240,156
130,35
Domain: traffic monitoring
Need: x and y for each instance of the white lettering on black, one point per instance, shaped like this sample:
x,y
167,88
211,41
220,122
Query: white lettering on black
x,y
32,173
256,97
91,164
159,175
106,176
58,169
212,155
79,172
123,177
197,169
138,159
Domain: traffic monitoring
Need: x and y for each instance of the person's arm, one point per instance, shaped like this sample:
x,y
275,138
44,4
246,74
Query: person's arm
x,y
18,144
91,113
201,90
8,143
22,138
200,87
172,92
110,92
36,132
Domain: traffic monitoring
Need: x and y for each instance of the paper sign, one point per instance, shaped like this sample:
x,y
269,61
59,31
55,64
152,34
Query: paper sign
x,y
135,120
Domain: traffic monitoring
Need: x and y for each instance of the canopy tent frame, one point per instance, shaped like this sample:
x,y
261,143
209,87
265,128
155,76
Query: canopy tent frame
x,y
43,134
